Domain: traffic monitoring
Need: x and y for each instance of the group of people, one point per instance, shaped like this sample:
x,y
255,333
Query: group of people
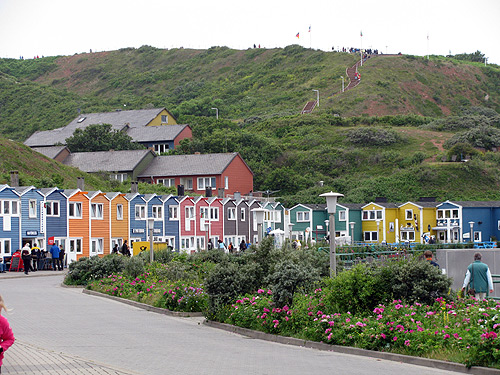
x,y
36,259
123,250
230,248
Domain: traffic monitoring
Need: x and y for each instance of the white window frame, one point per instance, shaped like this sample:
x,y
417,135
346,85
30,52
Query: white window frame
x,y
115,241
371,215
242,214
231,213
168,182
73,242
96,246
4,241
97,211
409,214
161,148
173,212
214,213
206,182
157,212
140,212
408,235
373,236
119,212
342,215
52,204
32,206
303,216
226,182
73,206
164,119
121,177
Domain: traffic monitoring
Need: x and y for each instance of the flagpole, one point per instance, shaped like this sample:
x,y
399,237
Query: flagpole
x,y
310,37
361,49
427,45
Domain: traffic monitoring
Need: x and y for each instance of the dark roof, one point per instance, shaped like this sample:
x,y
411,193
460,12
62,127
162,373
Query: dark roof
x,y
50,152
118,120
155,133
352,206
189,165
321,206
478,204
110,161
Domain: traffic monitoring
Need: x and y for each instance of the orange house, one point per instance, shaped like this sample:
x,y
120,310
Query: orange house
x,y
78,242
119,224
99,224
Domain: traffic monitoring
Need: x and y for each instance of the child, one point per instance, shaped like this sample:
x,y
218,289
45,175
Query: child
x,y
6,335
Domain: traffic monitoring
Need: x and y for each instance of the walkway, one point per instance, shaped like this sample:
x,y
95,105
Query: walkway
x,y
63,331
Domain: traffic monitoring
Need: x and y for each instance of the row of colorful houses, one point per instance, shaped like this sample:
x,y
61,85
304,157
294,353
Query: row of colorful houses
x,y
87,223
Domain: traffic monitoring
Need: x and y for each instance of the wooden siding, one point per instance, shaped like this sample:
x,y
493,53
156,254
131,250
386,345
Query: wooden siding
x,y
185,133
57,226
240,177
80,228
119,228
99,228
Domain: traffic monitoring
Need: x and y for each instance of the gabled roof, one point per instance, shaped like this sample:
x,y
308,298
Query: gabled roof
x,y
110,161
381,204
68,193
189,165
113,194
119,120
131,196
474,204
155,133
51,152
48,191
420,204
21,190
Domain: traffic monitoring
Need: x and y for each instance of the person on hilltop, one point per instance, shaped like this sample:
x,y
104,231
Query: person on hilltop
x,y
478,278
6,336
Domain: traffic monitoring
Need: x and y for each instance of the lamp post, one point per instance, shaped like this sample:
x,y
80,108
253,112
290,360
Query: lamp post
x,y
471,223
342,83
317,96
216,113
331,206
352,231
259,217
151,225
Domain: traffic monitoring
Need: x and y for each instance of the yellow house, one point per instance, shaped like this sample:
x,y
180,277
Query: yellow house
x,y
377,222
415,221
164,117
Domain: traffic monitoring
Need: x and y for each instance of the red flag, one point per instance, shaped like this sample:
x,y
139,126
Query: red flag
x,y
50,241
297,35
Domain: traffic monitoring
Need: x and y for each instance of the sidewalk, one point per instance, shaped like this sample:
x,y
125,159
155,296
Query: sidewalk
x,y
20,274
23,358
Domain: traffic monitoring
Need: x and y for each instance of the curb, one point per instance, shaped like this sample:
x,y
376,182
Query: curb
x,y
425,362
159,310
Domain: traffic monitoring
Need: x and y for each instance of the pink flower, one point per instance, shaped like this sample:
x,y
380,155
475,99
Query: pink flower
x,y
407,342
347,320
260,291
394,338
446,336
383,335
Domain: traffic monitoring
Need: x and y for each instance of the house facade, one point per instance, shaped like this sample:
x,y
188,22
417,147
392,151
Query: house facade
x,y
119,219
10,221
32,210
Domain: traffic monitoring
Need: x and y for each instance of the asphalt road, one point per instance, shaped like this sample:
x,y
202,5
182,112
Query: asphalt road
x,y
51,320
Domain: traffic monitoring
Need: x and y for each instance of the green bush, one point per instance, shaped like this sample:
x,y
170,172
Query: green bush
x,y
484,136
93,268
373,137
134,267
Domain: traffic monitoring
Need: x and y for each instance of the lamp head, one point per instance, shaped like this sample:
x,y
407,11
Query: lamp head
x,y
331,201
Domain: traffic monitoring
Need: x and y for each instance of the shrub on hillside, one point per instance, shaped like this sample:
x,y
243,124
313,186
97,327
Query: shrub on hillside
x,y
454,123
373,136
485,137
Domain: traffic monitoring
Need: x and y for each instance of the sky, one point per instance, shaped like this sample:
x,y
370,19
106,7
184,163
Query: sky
x,y
31,28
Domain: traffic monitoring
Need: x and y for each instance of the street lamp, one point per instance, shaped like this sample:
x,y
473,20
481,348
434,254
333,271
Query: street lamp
x,y
471,223
331,207
259,217
342,83
216,113
317,96
151,225
352,231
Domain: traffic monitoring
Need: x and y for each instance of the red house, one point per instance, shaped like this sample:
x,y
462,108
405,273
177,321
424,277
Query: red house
x,y
201,171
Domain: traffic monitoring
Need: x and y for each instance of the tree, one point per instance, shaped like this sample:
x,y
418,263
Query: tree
x,y
100,138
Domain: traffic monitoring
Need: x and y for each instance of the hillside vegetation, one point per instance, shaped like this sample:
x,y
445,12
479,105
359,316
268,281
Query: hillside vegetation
x,y
394,135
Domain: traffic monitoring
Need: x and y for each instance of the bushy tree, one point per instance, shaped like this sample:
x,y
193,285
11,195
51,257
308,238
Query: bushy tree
x,y
373,136
99,137
485,137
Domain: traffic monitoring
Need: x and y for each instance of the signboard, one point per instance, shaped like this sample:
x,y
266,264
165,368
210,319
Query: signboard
x,y
32,233
139,247
137,230
155,230
50,241
42,217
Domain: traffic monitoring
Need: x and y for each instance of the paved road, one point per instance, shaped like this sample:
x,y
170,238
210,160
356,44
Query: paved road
x,y
63,331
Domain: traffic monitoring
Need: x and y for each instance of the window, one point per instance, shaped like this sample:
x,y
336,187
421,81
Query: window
x,y
5,246
204,212
119,212
407,235
116,241
372,215
158,212
231,213
188,183
455,214
226,182
370,236
9,207
342,215
97,246
409,214
32,208
140,212
160,148
173,212
119,176
96,210
166,181
206,182
302,216
75,245
75,210
164,119
52,208
242,214
214,213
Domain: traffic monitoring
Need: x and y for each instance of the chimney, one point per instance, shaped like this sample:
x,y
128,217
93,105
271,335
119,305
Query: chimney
x,y
381,199
80,183
220,193
208,192
180,190
134,187
14,178
237,195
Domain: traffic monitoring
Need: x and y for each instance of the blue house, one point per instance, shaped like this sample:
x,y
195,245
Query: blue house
x,y
138,216
54,218
10,221
172,221
156,210
32,207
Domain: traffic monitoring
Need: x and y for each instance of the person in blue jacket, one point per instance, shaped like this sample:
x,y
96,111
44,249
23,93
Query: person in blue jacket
x,y
56,263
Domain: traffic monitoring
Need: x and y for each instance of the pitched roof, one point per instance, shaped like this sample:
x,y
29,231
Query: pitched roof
x,y
155,133
110,161
478,204
189,165
352,206
118,120
50,152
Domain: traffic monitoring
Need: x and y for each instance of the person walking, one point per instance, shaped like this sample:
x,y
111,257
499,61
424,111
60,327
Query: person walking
x,y
55,251
61,259
125,249
26,257
478,278
6,336
428,257
243,245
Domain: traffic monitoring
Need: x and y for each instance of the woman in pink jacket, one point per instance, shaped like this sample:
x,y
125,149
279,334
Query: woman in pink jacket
x,y
6,335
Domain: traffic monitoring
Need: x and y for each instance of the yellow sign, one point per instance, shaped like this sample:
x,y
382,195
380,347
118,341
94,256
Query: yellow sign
x,y
139,246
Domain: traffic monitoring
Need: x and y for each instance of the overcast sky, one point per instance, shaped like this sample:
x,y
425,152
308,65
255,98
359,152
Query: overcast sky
x,y
65,27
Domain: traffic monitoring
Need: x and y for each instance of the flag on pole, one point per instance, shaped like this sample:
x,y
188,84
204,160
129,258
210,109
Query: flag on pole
x,y
309,28
361,33
297,35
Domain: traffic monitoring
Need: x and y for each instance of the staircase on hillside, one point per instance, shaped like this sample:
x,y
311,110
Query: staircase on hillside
x,y
308,108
